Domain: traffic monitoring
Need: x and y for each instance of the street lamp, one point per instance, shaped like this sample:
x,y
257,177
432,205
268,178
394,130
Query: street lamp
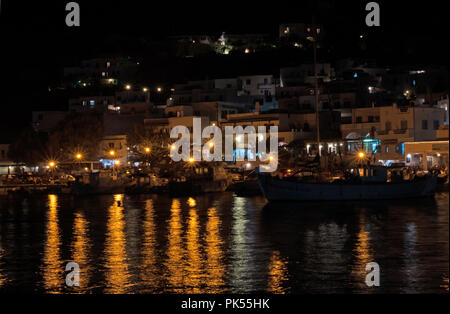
x,y
51,164
112,153
147,149
128,87
145,89
78,156
361,155
191,160
159,89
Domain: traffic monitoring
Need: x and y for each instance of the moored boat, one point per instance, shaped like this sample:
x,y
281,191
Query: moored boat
x,y
199,179
359,188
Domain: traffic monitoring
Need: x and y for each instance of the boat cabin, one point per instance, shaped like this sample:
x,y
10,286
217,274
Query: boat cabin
x,y
371,173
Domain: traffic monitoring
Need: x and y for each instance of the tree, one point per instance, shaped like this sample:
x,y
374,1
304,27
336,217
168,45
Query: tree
x,y
78,133
149,146
28,147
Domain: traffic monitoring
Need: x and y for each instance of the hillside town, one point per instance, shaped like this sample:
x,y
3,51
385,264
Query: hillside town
x,y
230,157
110,119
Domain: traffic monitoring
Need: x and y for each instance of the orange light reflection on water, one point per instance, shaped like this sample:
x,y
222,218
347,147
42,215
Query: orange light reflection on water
x,y
117,276
277,274
362,251
149,272
175,249
214,253
194,264
80,247
2,276
52,268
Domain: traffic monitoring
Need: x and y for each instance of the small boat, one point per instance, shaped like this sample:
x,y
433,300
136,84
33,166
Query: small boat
x,y
100,182
247,186
148,184
373,185
199,179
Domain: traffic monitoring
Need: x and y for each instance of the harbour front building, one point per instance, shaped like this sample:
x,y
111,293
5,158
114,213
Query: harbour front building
x,y
383,131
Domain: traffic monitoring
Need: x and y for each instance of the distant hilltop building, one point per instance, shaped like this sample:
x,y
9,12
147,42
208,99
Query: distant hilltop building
x,y
300,31
108,71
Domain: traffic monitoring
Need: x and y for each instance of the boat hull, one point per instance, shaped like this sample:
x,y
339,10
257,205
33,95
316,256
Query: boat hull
x,y
275,189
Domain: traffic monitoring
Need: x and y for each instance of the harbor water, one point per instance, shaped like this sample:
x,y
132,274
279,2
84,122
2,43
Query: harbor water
x,y
221,243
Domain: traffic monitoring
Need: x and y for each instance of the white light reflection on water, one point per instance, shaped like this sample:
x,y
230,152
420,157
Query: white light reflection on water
x,y
242,266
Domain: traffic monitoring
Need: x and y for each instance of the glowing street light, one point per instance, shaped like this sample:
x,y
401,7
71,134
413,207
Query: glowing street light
x,y
147,149
159,89
145,89
361,155
128,87
116,162
78,156
191,160
112,153
211,145
51,164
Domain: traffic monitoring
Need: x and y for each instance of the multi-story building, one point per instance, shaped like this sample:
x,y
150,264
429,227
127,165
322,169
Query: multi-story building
x,y
384,130
124,102
108,69
304,74
45,121
256,85
443,104
112,150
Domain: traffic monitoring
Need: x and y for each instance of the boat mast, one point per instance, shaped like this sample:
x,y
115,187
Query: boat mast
x,y
316,84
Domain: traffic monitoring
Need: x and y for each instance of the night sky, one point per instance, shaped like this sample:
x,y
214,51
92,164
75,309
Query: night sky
x,y
36,43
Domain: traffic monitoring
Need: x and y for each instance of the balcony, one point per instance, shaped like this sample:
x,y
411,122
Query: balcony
x,y
365,126
404,132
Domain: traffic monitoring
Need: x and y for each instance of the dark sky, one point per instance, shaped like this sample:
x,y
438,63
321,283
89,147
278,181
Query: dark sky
x,y
36,43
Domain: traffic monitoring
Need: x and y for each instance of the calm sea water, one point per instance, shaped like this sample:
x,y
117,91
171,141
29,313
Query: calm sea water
x,y
220,243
